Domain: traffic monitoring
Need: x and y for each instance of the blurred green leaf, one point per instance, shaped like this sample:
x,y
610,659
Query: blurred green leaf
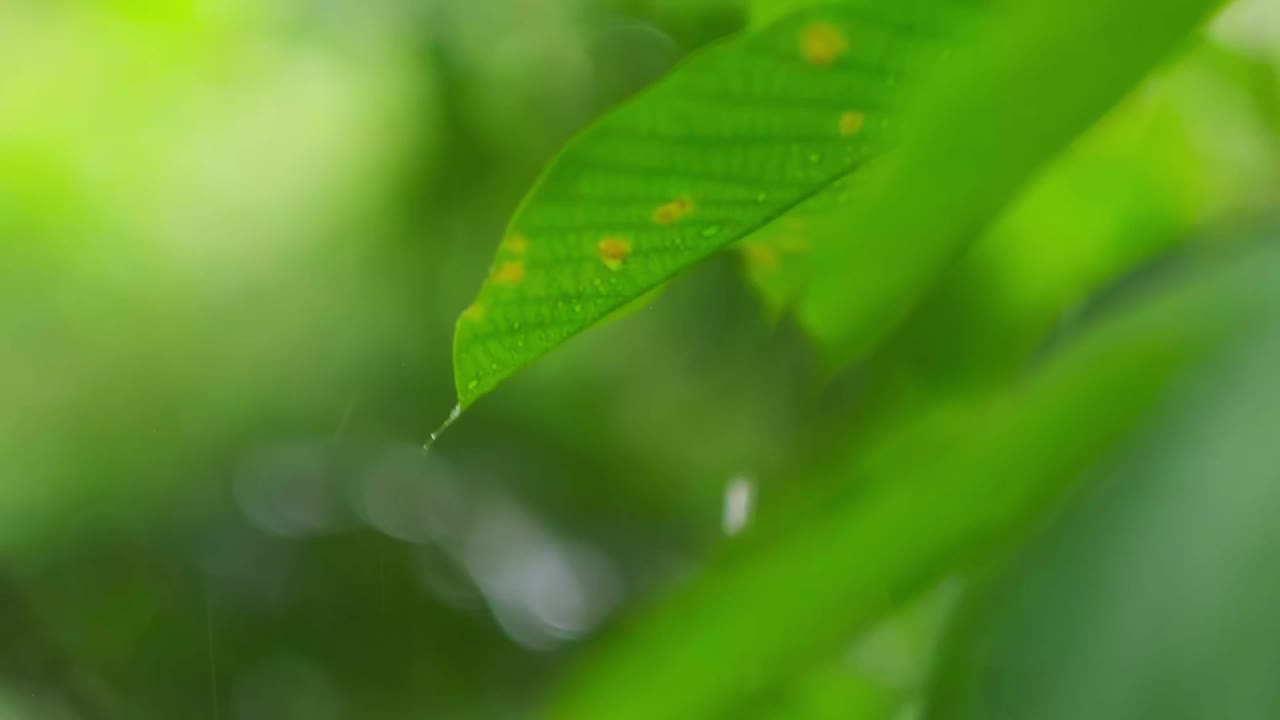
x,y
1138,184
991,469
884,673
1022,85
724,145
1131,190
835,692
1155,596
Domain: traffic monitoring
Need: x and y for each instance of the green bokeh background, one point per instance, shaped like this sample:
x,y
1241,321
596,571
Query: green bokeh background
x,y
234,237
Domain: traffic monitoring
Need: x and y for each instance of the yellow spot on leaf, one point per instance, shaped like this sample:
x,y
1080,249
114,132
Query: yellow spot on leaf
x,y
761,257
673,211
794,244
516,244
851,123
473,313
613,251
510,272
823,43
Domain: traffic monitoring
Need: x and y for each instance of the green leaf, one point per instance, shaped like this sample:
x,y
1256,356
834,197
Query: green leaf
x,y
882,674
1155,595
781,119
1129,191
1130,188
1024,84
729,142
991,470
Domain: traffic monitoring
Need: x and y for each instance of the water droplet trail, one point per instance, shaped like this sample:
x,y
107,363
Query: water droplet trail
x,y
454,414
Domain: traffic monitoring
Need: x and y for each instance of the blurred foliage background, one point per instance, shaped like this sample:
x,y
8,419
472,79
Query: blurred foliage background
x,y
234,237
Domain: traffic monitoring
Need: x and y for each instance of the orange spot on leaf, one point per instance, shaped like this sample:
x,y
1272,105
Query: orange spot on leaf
x,y
823,43
673,211
613,251
794,244
510,272
761,257
516,243
793,238
851,123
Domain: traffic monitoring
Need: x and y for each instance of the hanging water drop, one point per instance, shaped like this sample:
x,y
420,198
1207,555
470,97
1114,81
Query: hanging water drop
x,y
454,414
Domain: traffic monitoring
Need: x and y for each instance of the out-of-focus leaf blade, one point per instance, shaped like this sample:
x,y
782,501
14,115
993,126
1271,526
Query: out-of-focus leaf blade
x,y
724,145
915,516
1155,596
1130,188
1129,191
1026,82
883,674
